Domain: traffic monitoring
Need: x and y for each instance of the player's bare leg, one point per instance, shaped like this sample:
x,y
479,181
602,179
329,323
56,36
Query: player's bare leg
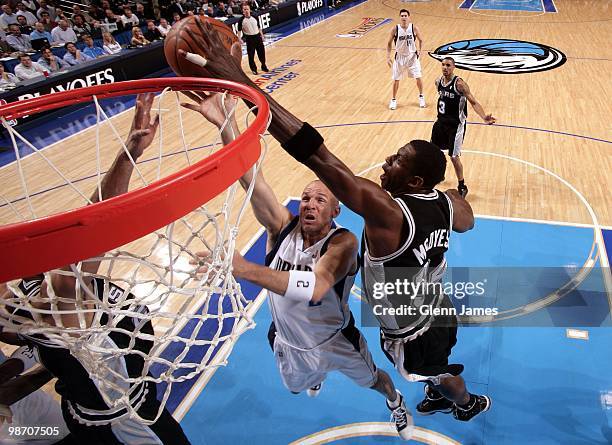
x,y
400,415
419,83
393,103
462,188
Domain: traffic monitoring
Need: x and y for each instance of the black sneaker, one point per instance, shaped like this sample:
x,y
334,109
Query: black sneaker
x,y
463,190
478,404
402,418
265,68
434,403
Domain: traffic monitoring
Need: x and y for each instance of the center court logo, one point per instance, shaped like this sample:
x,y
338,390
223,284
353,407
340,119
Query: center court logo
x,y
367,25
501,56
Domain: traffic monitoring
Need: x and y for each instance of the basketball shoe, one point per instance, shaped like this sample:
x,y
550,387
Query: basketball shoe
x,y
402,418
314,390
433,403
476,405
392,104
463,190
422,103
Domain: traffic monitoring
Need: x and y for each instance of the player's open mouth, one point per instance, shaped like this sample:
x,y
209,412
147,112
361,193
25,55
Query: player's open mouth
x,y
309,218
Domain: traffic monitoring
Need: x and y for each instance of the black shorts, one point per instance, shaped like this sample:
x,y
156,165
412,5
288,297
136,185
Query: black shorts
x,y
427,355
448,135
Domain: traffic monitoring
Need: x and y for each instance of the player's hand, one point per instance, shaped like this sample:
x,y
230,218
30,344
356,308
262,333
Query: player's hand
x,y
143,128
209,45
6,415
453,194
239,265
215,107
489,119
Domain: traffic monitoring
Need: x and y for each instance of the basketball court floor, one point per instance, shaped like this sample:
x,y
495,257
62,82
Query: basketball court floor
x,y
539,183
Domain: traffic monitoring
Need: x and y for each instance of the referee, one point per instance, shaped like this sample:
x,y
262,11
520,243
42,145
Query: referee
x,y
253,36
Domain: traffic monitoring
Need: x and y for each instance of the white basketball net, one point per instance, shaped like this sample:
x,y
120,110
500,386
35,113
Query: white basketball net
x,y
192,315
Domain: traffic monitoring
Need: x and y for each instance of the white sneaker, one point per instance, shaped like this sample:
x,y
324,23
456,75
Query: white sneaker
x,y
402,418
392,104
422,103
315,390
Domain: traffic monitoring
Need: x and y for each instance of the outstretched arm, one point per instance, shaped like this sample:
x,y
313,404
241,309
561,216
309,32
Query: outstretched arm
x,y
268,211
463,88
117,179
305,144
339,260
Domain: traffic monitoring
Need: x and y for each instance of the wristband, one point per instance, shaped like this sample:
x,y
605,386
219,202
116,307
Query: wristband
x,y
196,59
301,285
27,355
303,143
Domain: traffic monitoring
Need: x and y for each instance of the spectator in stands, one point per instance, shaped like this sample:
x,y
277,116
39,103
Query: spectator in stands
x,y
138,39
51,62
221,11
22,22
40,33
177,7
128,18
232,8
30,5
6,77
109,44
163,27
47,22
143,13
176,17
112,19
28,69
31,19
18,41
74,56
91,49
7,18
81,27
63,33
45,8
60,15
152,33
95,12
210,11
76,10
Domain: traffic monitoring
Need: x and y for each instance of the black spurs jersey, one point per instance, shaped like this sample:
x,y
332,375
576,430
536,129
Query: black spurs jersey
x,y
452,105
74,383
407,278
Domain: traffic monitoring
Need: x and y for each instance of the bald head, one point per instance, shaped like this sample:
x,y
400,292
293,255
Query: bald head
x,y
318,186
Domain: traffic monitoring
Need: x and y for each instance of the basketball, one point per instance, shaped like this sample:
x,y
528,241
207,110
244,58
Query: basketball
x,y
181,36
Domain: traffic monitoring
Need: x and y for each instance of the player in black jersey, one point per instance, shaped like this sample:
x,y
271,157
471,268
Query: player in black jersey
x,y
79,392
392,230
448,131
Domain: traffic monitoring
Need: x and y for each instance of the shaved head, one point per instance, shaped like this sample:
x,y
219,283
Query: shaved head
x,y
317,184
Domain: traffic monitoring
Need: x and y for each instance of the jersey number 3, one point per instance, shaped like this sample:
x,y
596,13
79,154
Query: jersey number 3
x,y
441,107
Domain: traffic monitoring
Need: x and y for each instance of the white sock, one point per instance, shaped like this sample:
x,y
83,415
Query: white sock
x,y
394,404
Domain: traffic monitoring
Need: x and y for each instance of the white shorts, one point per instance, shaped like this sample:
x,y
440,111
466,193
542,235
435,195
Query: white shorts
x,y
406,66
348,353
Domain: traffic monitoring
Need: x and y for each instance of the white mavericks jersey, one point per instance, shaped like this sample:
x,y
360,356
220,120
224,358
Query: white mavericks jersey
x,y
305,325
404,40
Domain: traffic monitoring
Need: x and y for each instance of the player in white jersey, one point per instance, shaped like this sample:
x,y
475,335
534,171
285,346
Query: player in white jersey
x,y
311,264
35,417
406,62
